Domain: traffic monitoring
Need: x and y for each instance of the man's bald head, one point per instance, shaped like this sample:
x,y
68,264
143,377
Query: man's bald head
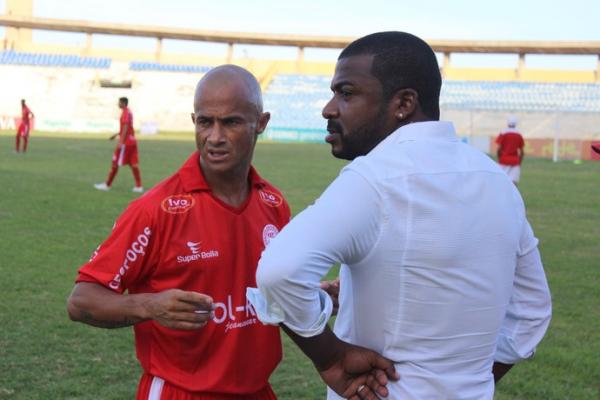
x,y
231,78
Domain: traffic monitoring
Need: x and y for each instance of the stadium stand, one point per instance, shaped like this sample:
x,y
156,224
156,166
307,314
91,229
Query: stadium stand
x,y
73,100
154,66
10,57
74,89
522,96
296,101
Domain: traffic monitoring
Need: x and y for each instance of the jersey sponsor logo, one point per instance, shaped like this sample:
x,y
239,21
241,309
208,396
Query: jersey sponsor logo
x,y
269,198
178,204
196,253
95,253
269,232
136,250
194,247
234,316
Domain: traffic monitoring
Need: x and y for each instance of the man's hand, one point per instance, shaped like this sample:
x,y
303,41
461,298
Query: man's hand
x,y
333,290
359,373
353,372
96,305
112,137
178,309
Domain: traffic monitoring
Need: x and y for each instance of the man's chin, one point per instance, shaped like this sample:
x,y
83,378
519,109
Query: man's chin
x,y
339,153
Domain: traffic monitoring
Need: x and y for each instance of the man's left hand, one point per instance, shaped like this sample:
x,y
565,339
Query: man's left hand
x,y
359,373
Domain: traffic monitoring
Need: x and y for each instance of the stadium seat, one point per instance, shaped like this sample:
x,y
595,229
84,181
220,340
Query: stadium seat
x,y
53,60
154,66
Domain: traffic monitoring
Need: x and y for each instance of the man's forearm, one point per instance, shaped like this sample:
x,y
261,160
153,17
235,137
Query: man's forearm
x,y
323,349
499,370
95,305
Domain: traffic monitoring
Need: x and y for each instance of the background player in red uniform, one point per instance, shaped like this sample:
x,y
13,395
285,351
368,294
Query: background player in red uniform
x,y
510,150
186,252
24,127
126,151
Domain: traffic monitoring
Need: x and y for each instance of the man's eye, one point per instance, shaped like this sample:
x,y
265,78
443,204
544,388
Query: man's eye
x,y
345,93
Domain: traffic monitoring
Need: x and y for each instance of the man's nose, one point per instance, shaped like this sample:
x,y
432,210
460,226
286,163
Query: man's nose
x,y
216,134
330,110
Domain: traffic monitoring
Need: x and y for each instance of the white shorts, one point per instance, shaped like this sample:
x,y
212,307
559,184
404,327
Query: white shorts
x,y
513,171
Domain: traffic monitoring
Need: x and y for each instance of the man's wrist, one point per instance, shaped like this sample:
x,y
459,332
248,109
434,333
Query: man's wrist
x,y
140,306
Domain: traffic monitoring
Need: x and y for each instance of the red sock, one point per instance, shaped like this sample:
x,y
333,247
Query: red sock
x,y
18,142
25,141
111,175
136,175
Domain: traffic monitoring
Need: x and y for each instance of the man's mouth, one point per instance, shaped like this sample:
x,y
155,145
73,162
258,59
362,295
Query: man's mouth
x,y
217,155
334,131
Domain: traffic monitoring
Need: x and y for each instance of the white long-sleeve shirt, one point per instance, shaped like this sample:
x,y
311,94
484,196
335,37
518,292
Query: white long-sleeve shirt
x,y
440,268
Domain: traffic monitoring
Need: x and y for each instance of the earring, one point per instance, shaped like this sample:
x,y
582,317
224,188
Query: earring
x,y
400,115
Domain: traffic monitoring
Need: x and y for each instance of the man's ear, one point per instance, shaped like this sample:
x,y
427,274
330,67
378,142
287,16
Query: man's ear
x,y
263,120
405,103
193,115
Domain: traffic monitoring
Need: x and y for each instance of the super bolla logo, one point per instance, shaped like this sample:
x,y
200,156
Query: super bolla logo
x,y
196,253
178,204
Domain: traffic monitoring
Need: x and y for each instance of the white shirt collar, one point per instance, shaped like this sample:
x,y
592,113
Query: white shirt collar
x,y
437,130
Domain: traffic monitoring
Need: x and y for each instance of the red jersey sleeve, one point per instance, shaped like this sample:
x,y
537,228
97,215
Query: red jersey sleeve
x,y
499,139
287,214
521,142
126,256
126,118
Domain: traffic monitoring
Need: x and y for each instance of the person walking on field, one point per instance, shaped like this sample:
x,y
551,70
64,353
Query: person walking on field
x,y
510,150
24,127
126,151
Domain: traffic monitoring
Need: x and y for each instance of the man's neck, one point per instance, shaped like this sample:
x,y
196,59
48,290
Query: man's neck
x,y
231,189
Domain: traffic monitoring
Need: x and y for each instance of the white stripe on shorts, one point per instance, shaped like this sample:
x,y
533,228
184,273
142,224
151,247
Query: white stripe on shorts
x,y
513,171
156,388
121,155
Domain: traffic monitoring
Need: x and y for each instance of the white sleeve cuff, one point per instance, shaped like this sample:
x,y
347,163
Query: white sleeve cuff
x,y
507,351
270,313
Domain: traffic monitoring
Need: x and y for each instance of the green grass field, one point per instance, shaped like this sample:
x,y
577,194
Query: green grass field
x,y
51,219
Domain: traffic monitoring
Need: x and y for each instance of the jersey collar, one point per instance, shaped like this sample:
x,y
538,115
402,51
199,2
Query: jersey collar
x,y
192,177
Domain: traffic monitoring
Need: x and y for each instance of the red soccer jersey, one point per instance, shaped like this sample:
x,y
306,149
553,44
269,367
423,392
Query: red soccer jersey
x,y
178,235
25,111
510,142
126,121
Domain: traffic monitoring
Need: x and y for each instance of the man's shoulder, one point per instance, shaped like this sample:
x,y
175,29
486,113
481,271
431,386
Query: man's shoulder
x,y
155,198
513,134
271,195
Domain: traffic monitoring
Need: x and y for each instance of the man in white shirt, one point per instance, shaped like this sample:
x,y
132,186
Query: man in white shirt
x,y
440,269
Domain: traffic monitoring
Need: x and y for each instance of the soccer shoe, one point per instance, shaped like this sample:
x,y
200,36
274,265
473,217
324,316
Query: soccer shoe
x,y
102,186
138,189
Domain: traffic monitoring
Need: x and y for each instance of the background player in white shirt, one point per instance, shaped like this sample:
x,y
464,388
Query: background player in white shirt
x,y
440,269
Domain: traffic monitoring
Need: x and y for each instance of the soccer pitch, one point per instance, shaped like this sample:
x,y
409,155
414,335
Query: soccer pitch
x,y
51,220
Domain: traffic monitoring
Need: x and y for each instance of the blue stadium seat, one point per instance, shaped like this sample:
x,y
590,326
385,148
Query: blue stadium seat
x,y
53,60
297,100
154,66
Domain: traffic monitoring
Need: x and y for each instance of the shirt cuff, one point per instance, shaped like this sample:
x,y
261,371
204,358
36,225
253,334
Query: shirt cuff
x,y
270,313
507,351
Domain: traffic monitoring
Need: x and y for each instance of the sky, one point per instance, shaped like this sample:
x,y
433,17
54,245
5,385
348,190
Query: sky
x,y
429,19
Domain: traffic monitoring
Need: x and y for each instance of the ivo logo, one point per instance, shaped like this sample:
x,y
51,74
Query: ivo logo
x,y
177,204
269,198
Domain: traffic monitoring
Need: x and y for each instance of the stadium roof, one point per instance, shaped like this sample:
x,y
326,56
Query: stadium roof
x,y
445,46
